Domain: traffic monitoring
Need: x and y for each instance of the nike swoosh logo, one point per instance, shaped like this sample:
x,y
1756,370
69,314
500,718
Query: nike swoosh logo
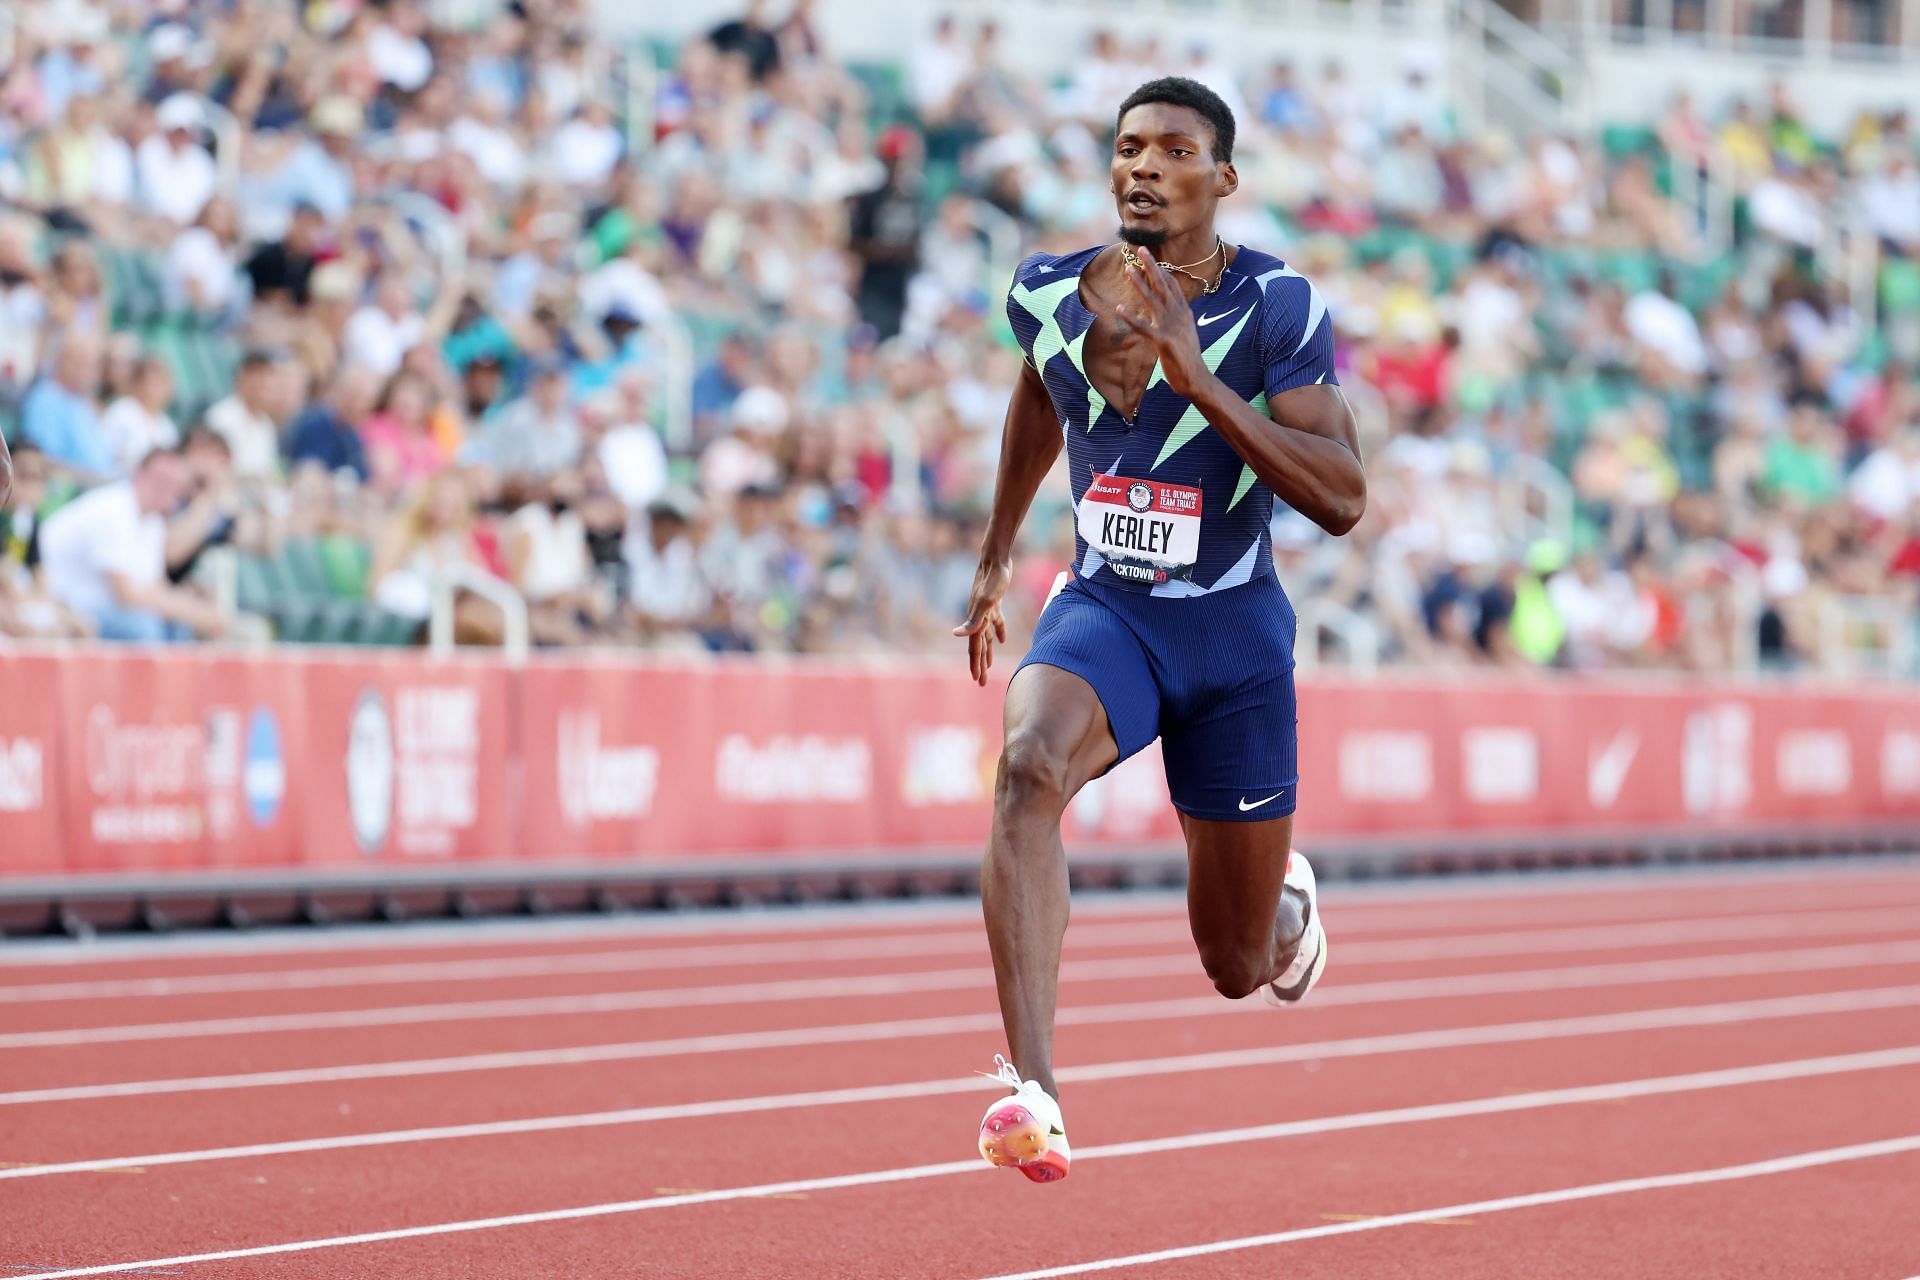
x,y
1204,320
1607,769
1249,808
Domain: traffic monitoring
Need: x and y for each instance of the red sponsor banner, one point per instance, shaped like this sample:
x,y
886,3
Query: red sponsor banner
x,y
749,758
124,761
30,797
177,761
406,761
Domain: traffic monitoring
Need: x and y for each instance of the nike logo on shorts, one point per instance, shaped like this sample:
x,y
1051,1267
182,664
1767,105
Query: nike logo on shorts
x,y
1249,808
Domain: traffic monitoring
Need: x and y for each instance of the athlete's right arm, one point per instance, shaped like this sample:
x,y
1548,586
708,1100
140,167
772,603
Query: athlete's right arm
x,y
1028,445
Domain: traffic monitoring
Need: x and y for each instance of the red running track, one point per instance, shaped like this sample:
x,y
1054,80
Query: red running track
x,y
1702,1075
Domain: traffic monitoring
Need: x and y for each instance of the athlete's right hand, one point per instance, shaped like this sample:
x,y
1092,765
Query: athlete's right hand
x,y
985,625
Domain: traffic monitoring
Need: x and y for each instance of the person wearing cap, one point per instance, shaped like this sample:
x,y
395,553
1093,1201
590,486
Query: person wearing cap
x,y
884,233
175,172
179,60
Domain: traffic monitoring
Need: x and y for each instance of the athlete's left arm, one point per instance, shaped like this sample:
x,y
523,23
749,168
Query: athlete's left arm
x,y
1307,452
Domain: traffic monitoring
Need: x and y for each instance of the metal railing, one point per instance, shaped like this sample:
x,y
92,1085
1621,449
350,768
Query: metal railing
x,y
516,637
1862,635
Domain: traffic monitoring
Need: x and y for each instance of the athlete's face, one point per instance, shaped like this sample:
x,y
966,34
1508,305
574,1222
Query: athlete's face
x,y
1166,182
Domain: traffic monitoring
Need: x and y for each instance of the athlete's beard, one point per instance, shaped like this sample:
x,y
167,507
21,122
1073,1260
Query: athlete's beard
x,y
1144,237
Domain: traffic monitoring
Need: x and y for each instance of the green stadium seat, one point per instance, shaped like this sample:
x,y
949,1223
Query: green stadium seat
x,y
1900,286
347,561
1622,140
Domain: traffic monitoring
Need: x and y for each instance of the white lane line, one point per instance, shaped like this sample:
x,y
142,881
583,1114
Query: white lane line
x,y
1649,1087
1682,1016
628,960
1480,1208
1572,978
981,978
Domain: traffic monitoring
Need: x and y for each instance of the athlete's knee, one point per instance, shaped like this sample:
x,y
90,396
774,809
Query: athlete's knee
x,y
1033,773
1237,972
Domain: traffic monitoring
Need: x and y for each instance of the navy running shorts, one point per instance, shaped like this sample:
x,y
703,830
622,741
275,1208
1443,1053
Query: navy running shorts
x,y
1210,676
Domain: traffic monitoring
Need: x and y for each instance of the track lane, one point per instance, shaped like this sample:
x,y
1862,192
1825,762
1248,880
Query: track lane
x,y
600,972
1117,1202
1435,908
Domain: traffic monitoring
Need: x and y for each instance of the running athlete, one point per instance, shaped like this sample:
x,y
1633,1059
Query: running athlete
x,y
1192,383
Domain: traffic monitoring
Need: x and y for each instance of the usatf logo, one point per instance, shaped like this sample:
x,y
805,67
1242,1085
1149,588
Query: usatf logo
x,y
1139,496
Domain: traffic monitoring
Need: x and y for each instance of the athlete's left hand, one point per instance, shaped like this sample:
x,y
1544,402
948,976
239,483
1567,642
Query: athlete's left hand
x,y
1161,314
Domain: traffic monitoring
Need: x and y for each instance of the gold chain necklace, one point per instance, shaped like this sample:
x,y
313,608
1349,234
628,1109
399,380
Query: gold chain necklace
x,y
1206,286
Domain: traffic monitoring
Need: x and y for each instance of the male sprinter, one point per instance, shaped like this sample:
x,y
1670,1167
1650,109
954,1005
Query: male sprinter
x,y
1192,383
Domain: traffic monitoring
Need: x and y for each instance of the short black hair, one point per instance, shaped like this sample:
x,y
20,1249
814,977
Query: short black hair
x,y
1178,91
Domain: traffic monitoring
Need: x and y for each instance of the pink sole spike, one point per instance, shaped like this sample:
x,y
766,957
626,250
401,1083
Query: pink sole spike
x,y
1011,1138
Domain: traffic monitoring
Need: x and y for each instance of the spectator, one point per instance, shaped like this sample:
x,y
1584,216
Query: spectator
x,y
105,556
885,235
62,412
381,333
27,608
137,423
282,270
435,533
201,277
23,309
1887,484
669,595
537,434
545,548
75,301
176,174
401,451
245,419
328,432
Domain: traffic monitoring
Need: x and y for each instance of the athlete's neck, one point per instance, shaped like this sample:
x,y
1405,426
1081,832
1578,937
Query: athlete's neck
x,y
1188,247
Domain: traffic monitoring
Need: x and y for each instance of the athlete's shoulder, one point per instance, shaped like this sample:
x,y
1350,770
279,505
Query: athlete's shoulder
x,y
1037,269
1295,338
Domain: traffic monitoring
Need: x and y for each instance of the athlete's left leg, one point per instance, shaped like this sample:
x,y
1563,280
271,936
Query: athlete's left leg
x,y
1247,923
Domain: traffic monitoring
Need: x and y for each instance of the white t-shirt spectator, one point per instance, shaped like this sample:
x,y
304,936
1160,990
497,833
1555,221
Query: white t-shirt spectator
x,y
254,439
557,560
133,431
175,184
1787,212
1891,201
938,68
100,533
200,274
584,154
667,585
635,463
399,59
375,340
23,323
1887,483
1667,329
493,150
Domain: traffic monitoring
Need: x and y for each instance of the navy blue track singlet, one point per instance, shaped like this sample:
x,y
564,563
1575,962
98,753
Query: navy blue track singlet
x,y
1164,505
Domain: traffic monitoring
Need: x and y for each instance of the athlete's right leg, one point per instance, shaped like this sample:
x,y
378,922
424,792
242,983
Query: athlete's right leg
x,y
1057,737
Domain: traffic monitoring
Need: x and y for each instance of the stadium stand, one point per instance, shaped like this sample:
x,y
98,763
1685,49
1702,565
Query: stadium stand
x,y
696,344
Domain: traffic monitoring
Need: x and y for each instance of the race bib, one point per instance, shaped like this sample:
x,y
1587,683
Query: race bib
x,y
1148,531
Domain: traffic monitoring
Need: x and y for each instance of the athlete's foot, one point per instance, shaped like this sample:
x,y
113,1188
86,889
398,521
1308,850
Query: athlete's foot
x,y
1310,961
1024,1130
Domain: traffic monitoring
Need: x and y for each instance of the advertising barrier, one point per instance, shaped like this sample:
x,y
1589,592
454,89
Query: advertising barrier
x,y
141,763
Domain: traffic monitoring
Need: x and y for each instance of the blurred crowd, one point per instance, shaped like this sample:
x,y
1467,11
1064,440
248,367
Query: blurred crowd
x,y
708,352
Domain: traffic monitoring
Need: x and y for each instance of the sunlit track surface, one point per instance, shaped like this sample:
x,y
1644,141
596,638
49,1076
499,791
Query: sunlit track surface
x,y
1694,1074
